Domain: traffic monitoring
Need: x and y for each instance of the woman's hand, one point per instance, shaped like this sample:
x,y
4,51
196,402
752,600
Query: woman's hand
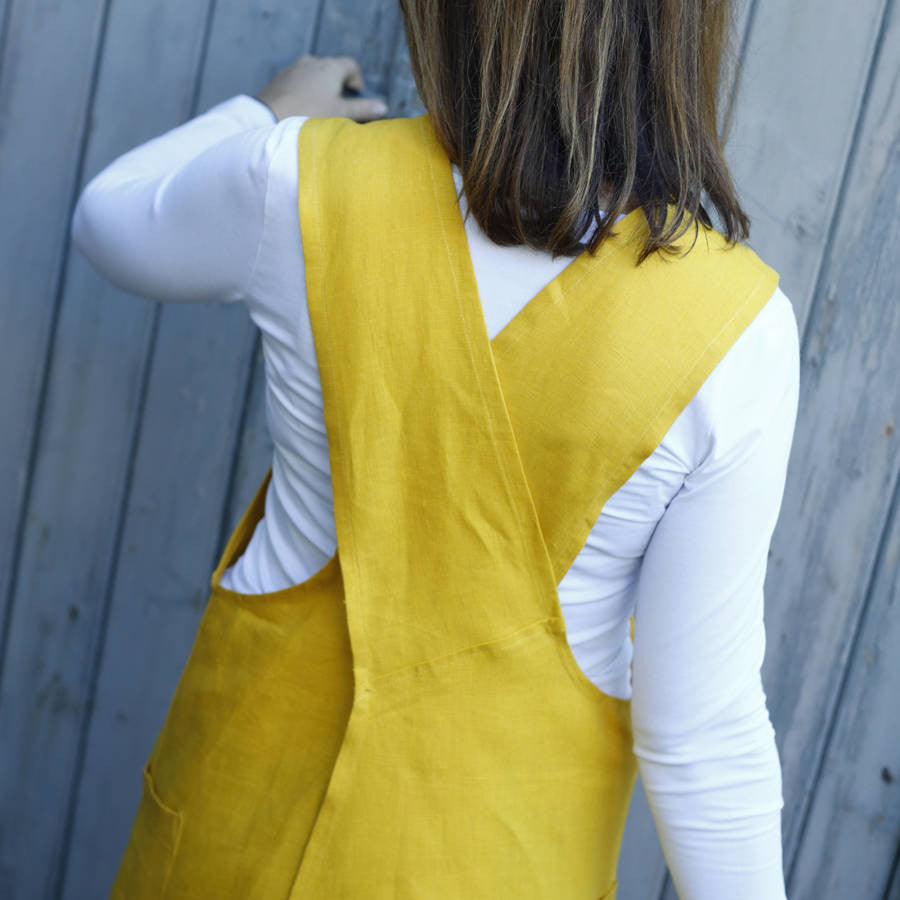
x,y
312,86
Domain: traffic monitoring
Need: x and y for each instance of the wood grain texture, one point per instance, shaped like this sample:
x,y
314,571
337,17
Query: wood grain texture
x,y
403,98
364,31
90,412
847,443
893,890
803,76
642,873
852,832
46,86
5,10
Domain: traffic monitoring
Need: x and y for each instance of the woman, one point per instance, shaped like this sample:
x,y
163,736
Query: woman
x,y
415,675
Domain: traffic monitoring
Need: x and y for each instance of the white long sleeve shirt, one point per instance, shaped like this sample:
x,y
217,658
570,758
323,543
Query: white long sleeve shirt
x,y
208,212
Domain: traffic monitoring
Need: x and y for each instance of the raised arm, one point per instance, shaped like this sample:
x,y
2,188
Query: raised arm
x,y
181,217
702,734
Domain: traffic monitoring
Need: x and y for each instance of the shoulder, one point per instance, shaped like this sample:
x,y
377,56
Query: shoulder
x,y
305,142
337,134
276,160
754,387
751,393
346,155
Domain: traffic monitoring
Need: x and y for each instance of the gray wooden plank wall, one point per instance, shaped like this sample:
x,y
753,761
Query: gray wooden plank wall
x,y
133,433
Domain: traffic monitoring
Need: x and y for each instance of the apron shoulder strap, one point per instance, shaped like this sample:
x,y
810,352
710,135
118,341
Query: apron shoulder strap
x,y
432,511
596,372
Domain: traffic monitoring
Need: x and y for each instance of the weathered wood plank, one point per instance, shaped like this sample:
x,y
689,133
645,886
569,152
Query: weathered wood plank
x,y
893,891
849,446
742,17
5,9
851,834
794,126
365,31
182,465
642,868
46,81
92,409
844,460
402,97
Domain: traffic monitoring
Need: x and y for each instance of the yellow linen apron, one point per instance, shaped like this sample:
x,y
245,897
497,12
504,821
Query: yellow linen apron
x,y
410,722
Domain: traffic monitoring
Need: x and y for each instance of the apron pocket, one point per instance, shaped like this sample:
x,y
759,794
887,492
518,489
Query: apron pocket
x,y
147,862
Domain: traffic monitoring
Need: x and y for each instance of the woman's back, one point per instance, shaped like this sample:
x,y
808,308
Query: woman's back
x,y
297,536
693,577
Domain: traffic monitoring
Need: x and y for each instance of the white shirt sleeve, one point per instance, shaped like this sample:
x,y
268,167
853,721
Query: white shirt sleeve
x,y
181,217
702,734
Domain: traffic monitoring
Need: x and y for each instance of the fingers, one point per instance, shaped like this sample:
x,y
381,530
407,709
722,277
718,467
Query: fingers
x,y
351,74
363,110
313,86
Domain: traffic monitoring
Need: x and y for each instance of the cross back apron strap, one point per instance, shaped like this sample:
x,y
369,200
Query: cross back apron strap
x,y
410,722
524,440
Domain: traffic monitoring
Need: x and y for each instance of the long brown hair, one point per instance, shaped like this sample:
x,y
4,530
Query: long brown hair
x,y
563,112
